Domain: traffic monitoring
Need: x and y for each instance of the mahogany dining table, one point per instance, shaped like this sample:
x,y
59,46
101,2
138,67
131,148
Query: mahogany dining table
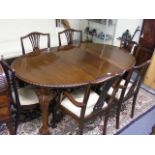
x,y
69,66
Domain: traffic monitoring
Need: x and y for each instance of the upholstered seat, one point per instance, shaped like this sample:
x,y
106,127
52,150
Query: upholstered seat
x,y
78,96
27,96
85,104
118,94
23,99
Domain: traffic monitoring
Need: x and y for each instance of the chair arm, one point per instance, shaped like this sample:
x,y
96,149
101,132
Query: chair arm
x,y
70,97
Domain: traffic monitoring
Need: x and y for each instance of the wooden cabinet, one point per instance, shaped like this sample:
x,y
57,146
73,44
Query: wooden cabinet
x,y
147,40
99,30
142,54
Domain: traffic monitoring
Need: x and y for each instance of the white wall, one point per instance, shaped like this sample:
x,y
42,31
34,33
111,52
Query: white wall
x,y
11,31
74,23
124,24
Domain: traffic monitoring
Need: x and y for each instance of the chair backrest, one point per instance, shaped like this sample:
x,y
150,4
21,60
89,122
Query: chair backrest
x,y
103,96
3,80
34,39
71,35
136,76
11,82
142,54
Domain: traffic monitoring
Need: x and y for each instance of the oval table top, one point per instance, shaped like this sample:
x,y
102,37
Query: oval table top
x,y
70,66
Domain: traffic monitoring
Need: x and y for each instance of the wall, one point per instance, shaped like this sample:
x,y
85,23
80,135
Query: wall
x,y
124,24
11,31
74,23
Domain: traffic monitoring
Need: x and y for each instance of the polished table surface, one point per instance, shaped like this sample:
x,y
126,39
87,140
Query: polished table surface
x,y
70,66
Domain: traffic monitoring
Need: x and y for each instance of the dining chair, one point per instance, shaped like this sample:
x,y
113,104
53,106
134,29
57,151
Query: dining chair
x,y
23,99
85,104
35,40
71,35
5,109
129,87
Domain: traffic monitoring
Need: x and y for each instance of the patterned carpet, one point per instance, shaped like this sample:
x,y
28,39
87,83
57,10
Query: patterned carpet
x,y
68,126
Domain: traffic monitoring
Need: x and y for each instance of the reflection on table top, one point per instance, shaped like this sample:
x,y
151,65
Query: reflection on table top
x,y
72,65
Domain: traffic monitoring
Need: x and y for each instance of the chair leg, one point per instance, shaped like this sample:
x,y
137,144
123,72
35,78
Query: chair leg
x,y
55,107
118,116
105,123
133,106
57,115
81,126
9,124
17,121
53,121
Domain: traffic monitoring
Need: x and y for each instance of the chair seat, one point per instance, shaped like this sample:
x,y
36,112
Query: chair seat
x,y
78,96
27,96
118,94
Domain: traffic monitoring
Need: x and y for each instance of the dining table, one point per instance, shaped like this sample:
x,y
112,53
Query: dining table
x,y
67,67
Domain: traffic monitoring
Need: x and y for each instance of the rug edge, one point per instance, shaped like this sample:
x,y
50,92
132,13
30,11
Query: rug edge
x,y
137,118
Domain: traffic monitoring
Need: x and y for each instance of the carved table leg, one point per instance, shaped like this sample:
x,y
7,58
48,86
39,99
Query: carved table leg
x,y
57,114
45,96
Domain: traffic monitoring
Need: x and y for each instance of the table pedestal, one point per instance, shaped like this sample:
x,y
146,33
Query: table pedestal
x,y
45,95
